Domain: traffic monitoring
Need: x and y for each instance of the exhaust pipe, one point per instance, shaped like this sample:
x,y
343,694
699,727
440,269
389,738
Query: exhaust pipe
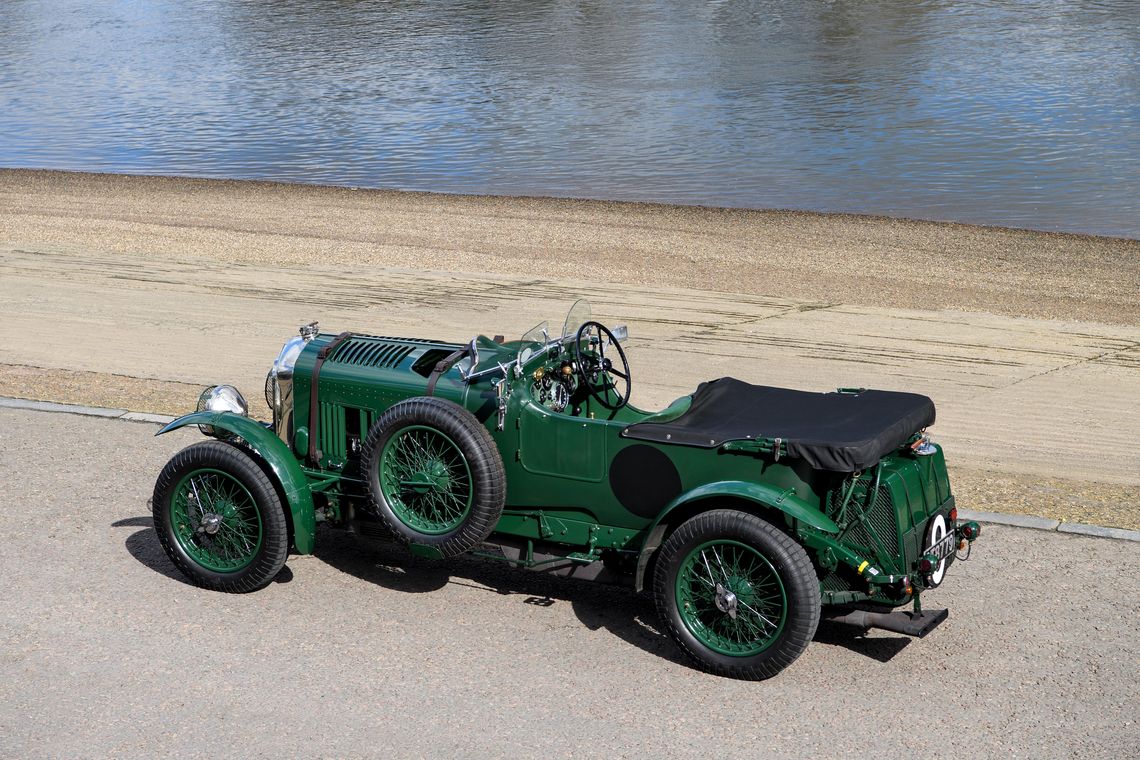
x,y
916,624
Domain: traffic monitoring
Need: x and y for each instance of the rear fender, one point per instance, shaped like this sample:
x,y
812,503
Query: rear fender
x,y
265,443
762,498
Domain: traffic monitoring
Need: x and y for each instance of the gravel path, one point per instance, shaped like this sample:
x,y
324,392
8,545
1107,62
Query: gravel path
x,y
870,261
133,292
363,651
1032,412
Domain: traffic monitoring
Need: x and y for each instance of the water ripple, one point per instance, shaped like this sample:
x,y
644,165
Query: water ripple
x,y
1001,112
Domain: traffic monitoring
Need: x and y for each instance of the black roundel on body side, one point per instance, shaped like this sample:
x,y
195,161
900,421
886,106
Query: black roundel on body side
x,y
644,479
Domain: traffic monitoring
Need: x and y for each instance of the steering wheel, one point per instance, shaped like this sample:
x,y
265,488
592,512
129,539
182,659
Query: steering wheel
x,y
591,367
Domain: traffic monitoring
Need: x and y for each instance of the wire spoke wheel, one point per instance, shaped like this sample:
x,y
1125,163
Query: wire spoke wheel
x,y
731,598
220,519
434,475
216,520
736,593
426,480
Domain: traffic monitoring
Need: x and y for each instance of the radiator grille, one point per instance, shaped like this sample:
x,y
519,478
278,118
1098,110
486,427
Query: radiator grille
x,y
835,582
880,520
332,440
371,353
342,430
417,341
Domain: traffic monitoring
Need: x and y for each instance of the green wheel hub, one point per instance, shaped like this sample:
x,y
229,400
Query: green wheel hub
x,y
216,520
426,480
731,598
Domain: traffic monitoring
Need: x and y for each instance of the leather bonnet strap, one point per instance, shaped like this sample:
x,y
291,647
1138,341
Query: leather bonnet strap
x,y
443,366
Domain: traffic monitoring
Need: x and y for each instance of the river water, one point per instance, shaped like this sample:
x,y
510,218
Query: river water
x,y
1017,113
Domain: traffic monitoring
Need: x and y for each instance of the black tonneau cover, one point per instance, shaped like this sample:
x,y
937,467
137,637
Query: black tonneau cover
x,y
840,432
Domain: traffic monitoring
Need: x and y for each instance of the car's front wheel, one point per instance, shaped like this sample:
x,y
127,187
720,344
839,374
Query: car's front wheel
x,y
219,518
737,594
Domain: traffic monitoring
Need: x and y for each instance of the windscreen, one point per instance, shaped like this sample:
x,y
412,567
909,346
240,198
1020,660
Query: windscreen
x,y
533,341
580,313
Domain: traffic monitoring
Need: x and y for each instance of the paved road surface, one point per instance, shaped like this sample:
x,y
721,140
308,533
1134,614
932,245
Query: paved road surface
x,y
362,651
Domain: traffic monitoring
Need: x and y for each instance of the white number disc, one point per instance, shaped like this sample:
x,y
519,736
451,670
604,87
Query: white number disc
x,y
935,532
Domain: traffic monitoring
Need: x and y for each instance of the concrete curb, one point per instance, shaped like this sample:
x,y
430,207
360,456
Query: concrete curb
x,y
1099,531
157,419
994,518
1056,526
1016,521
87,411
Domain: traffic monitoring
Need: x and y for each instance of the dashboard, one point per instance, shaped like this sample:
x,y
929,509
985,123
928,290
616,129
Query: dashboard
x,y
555,385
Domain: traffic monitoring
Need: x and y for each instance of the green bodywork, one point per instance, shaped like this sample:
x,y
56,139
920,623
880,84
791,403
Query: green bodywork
x,y
571,492
287,472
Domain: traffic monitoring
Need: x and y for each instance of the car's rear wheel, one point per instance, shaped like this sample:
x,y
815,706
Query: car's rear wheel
x,y
219,518
738,595
434,475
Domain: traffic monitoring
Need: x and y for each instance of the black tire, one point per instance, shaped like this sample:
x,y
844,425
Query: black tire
x,y
478,475
184,536
776,556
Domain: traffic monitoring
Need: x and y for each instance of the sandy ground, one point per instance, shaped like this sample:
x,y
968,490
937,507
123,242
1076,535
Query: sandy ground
x,y
133,292
363,651
846,259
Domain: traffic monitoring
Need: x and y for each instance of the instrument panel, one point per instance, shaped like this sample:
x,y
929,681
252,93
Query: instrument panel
x,y
554,385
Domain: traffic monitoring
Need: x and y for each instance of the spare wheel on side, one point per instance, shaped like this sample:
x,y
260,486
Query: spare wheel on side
x,y
434,474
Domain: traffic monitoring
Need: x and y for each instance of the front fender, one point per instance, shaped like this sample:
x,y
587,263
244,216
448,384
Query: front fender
x,y
281,461
768,497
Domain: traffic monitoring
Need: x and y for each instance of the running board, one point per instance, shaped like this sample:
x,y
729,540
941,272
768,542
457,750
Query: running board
x,y
916,624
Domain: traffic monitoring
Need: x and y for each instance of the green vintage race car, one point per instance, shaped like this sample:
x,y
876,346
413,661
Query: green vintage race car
x,y
748,510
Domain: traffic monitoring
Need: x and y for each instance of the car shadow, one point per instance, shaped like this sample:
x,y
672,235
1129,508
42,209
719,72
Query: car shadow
x,y
619,611
854,638
385,564
143,545
633,618
629,616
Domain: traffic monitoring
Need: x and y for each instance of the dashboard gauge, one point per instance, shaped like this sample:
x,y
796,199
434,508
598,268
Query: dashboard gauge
x,y
559,397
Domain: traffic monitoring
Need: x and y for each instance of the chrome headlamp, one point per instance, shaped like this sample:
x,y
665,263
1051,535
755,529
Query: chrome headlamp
x,y
221,398
279,381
